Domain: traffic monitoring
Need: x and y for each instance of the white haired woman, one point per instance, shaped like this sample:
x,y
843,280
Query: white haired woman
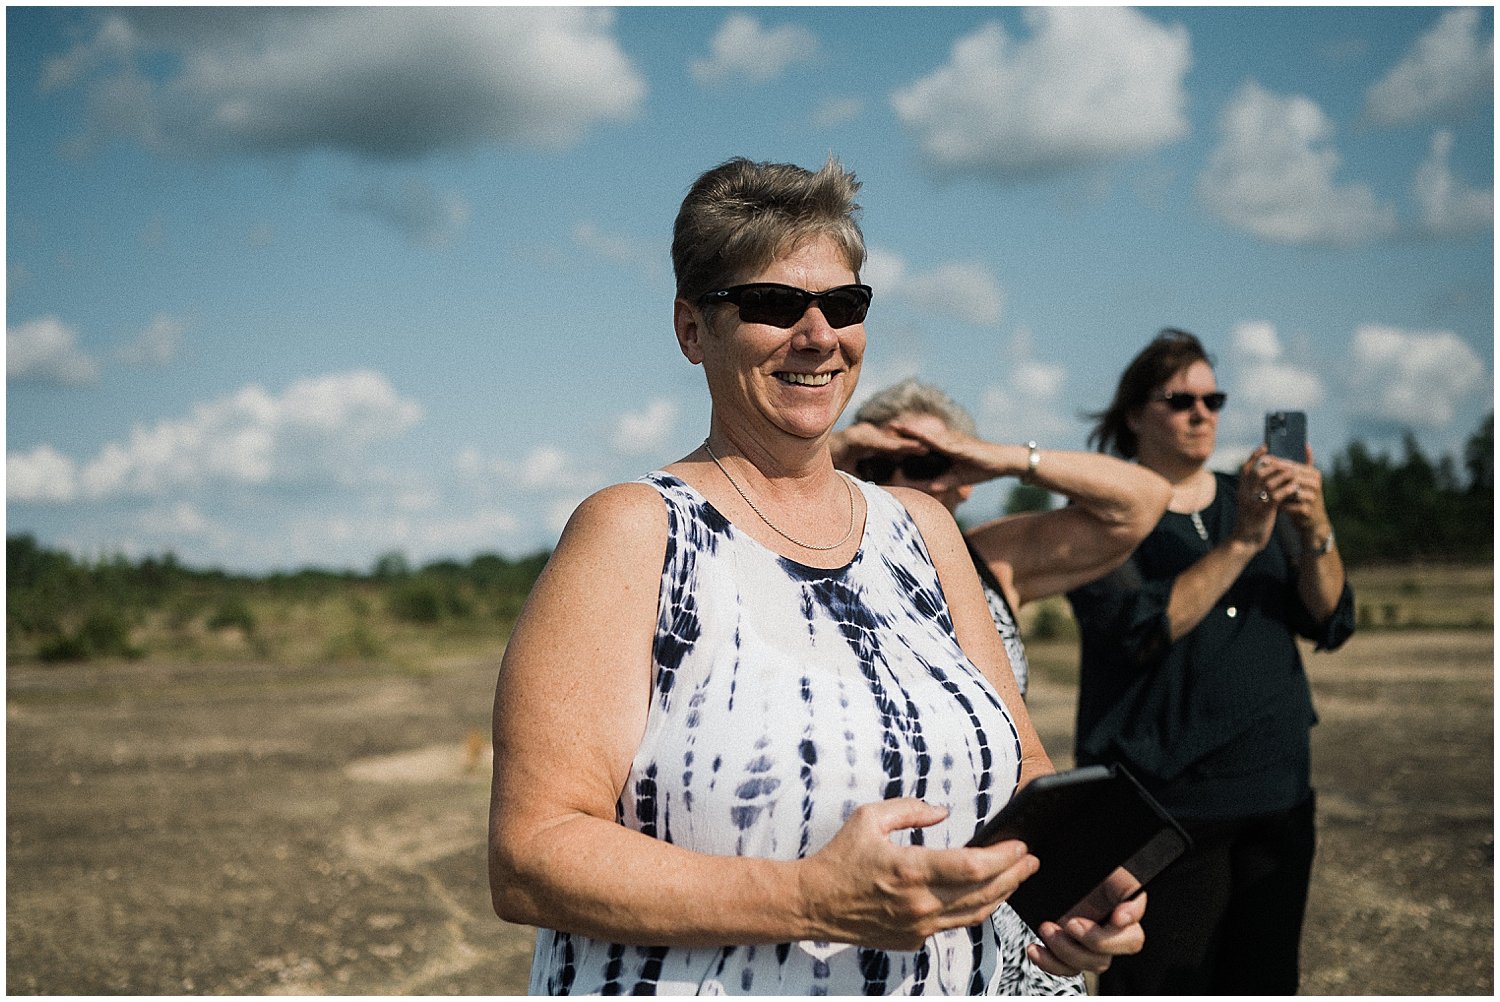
x,y
754,710
914,435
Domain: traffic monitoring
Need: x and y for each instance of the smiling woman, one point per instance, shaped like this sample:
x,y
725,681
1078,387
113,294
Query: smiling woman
x,y
755,709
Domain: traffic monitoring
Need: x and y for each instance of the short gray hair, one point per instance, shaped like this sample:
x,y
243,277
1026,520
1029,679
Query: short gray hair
x,y
912,397
741,215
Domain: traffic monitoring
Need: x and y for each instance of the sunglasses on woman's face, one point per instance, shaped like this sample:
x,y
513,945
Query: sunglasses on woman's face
x,y
783,305
1185,401
923,466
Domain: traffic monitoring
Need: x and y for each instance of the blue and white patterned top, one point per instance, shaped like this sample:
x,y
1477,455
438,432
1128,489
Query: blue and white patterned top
x,y
784,696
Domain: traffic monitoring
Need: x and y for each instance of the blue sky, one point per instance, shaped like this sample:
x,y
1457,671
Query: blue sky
x,y
298,286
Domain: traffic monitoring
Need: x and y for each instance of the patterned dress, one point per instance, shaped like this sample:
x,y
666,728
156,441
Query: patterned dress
x,y
784,696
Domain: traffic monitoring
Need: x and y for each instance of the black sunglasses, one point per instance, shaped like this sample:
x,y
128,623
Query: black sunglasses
x,y
1185,401
922,466
783,305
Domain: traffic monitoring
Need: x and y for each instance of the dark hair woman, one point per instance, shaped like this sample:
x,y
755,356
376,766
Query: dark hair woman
x,y
1191,676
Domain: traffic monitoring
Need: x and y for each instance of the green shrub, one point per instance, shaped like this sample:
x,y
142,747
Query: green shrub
x,y
357,644
102,634
233,612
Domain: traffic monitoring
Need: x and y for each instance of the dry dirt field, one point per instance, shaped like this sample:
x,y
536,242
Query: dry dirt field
x,y
256,829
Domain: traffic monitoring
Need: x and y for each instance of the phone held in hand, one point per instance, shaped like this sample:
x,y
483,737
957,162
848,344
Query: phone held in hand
x,y
1100,838
1286,435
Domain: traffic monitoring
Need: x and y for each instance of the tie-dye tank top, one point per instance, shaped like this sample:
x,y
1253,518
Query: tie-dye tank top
x,y
784,696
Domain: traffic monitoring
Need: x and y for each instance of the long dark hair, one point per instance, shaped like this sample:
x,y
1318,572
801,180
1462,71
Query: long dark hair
x,y
1169,353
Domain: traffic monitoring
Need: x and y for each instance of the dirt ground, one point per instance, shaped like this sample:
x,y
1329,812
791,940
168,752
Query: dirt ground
x,y
233,829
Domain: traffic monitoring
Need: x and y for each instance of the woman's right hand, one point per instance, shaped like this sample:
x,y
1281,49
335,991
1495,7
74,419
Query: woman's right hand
x,y
863,888
1264,485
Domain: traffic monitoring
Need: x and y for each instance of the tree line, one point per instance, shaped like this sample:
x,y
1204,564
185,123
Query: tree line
x,y
1393,508
1387,508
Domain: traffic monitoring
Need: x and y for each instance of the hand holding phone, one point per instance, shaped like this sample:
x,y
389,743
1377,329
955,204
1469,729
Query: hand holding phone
x,y
1100,838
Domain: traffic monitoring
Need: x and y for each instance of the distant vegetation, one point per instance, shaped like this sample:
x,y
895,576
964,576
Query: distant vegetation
x,y
59,608
1410,512
1390,510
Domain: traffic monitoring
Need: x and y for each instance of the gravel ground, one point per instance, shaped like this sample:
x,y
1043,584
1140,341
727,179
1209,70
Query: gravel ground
x,y
255,829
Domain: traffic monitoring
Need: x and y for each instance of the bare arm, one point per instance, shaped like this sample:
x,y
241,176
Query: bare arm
x,y
1115,505
570,709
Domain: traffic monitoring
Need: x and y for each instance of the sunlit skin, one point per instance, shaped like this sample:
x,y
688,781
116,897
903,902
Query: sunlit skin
x,y
1177,444
741,360
949,494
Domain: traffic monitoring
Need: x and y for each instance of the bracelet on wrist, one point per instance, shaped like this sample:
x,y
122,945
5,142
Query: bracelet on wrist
x,y
1033,460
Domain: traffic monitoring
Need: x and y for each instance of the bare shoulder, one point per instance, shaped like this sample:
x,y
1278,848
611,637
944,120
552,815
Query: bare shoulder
x,y
616,538
621,517
939,531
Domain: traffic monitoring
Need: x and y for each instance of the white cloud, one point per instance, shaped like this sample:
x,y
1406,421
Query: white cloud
x,y
646,431
182,519
46,351
387,82
1264,379
422,215
157,345
545,468
1411,378
1272,174
1027,403
1448,207
41,475
1447,70
834,111
1090,84
315,433
966,291
742,49
644,257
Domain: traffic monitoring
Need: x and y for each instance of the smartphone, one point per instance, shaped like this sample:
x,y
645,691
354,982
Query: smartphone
x,y
1100,838
1286,435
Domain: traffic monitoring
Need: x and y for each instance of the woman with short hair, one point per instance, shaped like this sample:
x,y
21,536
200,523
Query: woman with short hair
x,y
754,709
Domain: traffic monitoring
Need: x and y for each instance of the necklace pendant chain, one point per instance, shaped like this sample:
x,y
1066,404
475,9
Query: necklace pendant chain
x,y
777,529
1198,525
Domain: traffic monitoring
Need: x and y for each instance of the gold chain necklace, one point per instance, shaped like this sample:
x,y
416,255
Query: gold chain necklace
x,y
806,546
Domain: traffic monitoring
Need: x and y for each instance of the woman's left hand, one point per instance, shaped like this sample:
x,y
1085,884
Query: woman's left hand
x,y
1079,943
1305,504
974,460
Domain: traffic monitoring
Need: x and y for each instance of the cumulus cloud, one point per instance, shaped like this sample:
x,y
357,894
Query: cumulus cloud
x,y
1448,207
46,351
1447,71
1090,84
1027,402
383,82
834,111
422,215
544,468
1411,378
314,433
742,49
966,291
639,255
646,431
1273,174
157,345
1264,378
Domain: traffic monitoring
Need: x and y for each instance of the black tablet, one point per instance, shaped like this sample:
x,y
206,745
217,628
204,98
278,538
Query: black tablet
x,y
1084,825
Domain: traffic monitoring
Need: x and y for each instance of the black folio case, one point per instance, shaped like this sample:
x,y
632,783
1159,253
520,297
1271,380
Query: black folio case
x,y
1083,824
